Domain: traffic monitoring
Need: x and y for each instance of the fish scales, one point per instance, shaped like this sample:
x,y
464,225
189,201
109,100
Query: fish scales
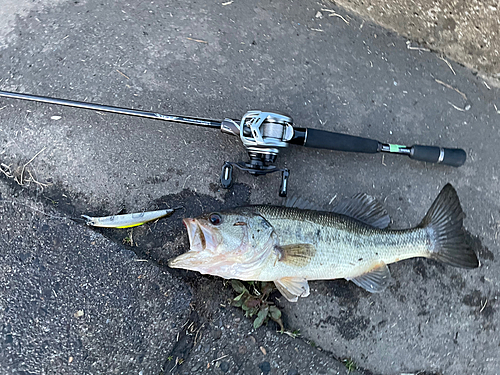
x,y
291,246
344,247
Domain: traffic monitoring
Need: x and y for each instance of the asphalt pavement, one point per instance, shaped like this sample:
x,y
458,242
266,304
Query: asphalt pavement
x,y
78,300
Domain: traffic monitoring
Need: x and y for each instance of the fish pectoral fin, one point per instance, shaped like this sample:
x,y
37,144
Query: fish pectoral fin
x,y
375,280
299,254
364,208
292,287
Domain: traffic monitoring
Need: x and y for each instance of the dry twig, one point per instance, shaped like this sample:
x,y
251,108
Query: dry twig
x,y
335,14
482,308
451,87
197,40
457,108
408,45
5,169
122,74
447,63
19,176
218,359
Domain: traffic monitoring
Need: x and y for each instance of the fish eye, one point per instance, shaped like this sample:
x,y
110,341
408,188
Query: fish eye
x,y
215,219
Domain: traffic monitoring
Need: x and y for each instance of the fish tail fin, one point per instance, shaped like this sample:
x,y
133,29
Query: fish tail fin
x,y
444,222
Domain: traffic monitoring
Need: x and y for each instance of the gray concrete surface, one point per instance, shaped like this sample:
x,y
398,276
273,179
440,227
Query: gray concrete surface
x,y
467,31
215,60
72,301
229,344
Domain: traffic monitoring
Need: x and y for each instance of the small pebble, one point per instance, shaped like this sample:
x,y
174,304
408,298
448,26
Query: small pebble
x,y
224,366
217,333
196,367
293,371
251,340
265,367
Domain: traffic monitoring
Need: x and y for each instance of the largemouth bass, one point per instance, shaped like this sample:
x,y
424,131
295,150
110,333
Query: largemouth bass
x,y
296,244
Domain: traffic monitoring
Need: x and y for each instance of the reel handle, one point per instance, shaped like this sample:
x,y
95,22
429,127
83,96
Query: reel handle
x,y
315,138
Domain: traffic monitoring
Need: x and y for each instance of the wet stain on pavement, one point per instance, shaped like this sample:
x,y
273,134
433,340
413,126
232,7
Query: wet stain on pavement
x,y
345,292
482,304
482,251
349,325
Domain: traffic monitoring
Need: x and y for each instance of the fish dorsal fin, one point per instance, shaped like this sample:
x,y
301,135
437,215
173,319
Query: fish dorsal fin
x,y
298,255
292,287
300,202
375,280
364,208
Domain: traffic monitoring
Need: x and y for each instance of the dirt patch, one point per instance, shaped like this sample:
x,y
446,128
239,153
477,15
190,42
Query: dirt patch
x,y
465,31
349,325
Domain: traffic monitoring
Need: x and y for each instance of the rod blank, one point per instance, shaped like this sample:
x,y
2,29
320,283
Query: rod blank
x,y
121,111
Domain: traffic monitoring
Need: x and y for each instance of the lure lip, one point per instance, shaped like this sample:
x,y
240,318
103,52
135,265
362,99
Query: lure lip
x,y
90,220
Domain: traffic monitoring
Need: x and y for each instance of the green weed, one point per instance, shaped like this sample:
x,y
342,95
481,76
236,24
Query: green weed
x,y
253,301
349,364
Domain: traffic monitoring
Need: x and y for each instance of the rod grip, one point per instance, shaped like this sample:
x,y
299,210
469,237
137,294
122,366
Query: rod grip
x,y
433,154
340,142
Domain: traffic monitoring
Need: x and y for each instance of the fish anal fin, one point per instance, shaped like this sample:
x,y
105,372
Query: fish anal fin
x,y
364,208
298,255
292,287
374,280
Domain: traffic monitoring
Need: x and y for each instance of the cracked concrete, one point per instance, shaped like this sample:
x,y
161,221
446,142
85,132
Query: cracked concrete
x,y
354,77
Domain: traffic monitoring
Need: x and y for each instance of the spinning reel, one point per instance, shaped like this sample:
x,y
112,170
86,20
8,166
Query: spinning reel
x,y
264,133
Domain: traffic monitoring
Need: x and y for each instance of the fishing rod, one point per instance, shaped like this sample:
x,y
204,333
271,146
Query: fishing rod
x,y
263,134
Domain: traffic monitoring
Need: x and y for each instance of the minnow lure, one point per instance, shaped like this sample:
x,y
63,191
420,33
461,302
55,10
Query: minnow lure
x,y
127,220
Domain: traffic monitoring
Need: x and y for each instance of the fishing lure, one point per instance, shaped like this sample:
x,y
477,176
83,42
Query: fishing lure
x,y
127,220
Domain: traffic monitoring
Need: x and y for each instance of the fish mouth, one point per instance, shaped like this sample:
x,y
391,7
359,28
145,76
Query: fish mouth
x,y
202,244
209,255
200,237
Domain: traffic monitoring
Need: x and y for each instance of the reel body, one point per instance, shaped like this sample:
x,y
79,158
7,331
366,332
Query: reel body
x,y
262,134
